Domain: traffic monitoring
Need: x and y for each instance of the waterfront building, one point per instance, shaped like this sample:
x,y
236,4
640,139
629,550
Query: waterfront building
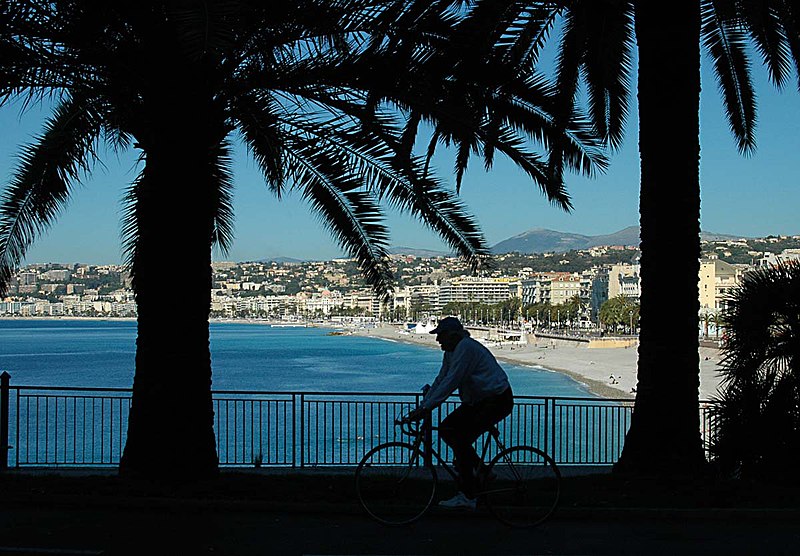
x,y
423,298
365,300
599,293
624,279
478,290
320,303
556,288
717,279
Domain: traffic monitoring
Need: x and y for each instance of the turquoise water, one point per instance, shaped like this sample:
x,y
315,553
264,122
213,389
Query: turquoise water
x,y
87,353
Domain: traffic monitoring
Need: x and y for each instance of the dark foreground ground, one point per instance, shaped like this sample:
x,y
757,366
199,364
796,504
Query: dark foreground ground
x,y
315,512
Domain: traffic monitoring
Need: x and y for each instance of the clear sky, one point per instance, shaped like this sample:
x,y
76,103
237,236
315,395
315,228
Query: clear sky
x,y
754,196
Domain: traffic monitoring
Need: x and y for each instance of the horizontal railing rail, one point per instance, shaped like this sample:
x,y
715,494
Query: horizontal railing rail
x,y
86,427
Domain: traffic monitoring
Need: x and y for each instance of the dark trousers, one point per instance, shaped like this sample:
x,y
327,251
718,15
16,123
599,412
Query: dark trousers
x,y
464,425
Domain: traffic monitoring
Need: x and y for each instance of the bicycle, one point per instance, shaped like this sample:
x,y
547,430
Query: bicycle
x,y
396,481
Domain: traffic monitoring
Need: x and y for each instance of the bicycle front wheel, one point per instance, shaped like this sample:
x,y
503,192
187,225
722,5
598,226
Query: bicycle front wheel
x,y
524,486
394,485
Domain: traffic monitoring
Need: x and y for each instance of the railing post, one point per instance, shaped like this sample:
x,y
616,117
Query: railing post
x,y
302,430
550,427
4,409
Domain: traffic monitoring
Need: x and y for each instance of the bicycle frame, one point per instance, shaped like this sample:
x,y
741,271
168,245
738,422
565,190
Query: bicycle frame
x,y
424,437
516,495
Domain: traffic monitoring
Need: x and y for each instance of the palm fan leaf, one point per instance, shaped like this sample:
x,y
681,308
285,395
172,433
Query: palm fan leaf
x,y
760,398
47,173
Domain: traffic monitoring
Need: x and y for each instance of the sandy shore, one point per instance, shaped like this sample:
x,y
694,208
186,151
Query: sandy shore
x,y
607,372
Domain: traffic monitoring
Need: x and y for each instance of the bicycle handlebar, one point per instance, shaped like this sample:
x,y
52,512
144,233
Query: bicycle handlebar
x,y
405,425
410,428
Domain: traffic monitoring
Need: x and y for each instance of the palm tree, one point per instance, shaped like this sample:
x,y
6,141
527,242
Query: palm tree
x,y
596,45
328,98
757,422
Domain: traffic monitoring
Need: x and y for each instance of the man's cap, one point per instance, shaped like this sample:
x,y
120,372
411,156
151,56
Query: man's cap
x,y
448,324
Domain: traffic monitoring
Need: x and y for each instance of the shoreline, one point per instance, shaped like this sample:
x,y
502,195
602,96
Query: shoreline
x,y
592,367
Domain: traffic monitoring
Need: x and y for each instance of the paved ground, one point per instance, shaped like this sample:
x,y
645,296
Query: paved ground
x,y
242,532
271,513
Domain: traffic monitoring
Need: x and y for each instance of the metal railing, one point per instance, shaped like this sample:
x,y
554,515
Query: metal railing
x,y
86,427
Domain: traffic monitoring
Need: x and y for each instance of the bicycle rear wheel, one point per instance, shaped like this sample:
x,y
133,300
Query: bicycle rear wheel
x,y
524,487
394,485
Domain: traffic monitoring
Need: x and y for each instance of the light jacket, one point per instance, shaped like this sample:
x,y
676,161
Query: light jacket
x,y
472,369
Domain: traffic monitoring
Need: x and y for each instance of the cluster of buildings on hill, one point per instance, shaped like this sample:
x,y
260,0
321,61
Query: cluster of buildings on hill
x,y
333,288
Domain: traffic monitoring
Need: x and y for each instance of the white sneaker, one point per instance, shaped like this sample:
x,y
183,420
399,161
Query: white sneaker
x,y
459,501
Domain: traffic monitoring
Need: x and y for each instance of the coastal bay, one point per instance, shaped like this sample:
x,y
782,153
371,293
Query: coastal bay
x,y
591,367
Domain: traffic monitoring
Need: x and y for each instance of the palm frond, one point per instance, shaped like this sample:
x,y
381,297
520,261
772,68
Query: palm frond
x,y
528,32
130,228
204,29
762,19
350,214
726,43
608,67
48,171
409,188
571,52
259,124
789,13
222,202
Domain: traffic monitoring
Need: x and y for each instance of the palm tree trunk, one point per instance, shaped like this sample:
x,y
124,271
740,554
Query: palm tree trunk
x,y
170,429
665,429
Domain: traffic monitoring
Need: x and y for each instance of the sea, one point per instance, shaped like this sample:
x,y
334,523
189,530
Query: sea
x,y
245,356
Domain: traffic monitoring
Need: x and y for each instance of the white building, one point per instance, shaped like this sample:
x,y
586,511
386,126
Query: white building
x,y
478,290
625,280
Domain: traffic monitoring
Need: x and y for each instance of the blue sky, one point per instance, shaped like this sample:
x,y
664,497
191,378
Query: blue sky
x,y
754,196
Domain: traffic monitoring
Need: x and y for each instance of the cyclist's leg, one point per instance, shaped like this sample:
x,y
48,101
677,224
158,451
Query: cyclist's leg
x,y
489,412
464,425
459,431
494,409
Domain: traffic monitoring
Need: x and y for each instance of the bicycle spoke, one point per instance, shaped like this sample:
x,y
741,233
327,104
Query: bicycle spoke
x,y
525,489
393,484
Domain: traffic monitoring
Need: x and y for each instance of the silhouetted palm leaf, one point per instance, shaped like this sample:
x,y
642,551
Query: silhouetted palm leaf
x,y
757,412
48,171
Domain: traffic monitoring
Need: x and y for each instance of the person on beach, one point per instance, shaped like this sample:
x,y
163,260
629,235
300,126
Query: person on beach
x,y
486,399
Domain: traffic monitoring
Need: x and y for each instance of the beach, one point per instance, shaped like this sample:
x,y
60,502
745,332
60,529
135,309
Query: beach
x,y
609,372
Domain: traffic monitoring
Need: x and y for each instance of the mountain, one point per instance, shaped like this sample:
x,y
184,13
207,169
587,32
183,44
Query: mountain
x,y
423,253
711,236
537,240
282,260
626,236
540,240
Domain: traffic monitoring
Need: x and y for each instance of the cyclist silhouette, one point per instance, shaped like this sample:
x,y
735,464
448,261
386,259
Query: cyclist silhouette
x,y
486,399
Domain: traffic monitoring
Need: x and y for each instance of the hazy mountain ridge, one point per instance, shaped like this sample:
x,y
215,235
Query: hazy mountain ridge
x,y
414,252
538,240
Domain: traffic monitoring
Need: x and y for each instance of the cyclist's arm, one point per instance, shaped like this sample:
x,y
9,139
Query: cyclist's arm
x,y
423,409
453,370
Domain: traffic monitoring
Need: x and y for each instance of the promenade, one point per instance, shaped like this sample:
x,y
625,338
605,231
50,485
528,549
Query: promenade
x,y
289,513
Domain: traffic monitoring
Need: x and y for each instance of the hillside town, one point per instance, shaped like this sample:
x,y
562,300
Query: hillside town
x,y
520,286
